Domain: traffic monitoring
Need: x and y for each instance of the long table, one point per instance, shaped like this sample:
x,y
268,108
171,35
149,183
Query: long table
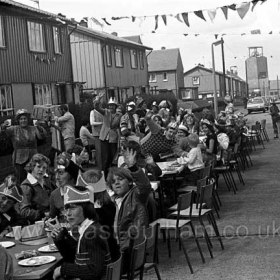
x,y
32,272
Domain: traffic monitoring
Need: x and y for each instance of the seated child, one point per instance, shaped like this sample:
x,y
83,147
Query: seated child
x,y
193,159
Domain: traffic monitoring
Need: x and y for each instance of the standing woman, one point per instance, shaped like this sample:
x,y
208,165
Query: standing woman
x,y
24,138
109,133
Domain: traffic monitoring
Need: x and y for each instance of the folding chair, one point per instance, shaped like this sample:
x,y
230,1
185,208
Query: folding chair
x,y
177,225
114,270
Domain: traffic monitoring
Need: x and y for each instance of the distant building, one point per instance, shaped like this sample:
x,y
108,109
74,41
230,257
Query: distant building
x,y
257,72
274,89
201,78
166,71
35,66
106,62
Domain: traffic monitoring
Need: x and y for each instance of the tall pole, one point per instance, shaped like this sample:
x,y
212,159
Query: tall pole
x,y
214,82
224,68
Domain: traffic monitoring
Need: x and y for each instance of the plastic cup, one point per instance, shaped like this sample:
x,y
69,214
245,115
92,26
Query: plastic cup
x,y
17,232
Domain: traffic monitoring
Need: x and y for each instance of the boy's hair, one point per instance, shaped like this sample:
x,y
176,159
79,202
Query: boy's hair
x,y
193,139
120,172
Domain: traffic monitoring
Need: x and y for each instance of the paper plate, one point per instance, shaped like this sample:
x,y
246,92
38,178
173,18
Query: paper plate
x,y
7,244
48,248
36,261
36,241
10,234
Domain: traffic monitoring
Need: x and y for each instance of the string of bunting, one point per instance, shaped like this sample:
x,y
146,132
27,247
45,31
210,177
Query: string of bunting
x,y
242,9
45,60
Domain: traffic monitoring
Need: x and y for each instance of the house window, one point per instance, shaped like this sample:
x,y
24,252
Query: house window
x,y
195,81
2,36
36,37
133,59
118,57
165,77
42,94
152,78
186,94
57,40
108,55
141,60
6,101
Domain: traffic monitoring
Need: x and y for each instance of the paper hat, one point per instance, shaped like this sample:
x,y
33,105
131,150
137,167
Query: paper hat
x,y
10,189
113,101
124,126
163,103
21,112
205,121
97,187
172,125
183,127
34,234
65,163
74,195
130,106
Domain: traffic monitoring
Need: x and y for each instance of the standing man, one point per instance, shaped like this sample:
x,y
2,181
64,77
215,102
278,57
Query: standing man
x,y
67,125
109,133
96,121
274,112
131,118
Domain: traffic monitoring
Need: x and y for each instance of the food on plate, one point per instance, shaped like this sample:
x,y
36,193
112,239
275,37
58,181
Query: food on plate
x,y
26,254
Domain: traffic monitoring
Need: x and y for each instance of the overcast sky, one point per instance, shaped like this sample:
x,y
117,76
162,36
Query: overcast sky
x,y
194,49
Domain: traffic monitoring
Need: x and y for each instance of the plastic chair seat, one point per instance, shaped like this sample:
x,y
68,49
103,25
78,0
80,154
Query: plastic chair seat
x,y
195,212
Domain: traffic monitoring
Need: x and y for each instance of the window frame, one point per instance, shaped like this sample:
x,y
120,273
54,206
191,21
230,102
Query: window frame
x,y
108,54
166,78
152,80
57,40
119,50
41,99
9,110
133,59
2,33
42,38
141,60
196,80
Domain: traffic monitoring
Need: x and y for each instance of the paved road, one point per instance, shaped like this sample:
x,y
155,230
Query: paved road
x,y
249,223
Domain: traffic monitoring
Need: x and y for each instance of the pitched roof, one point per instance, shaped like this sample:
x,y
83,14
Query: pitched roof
x,y
136,38
163,60
106,36
235,76
32,9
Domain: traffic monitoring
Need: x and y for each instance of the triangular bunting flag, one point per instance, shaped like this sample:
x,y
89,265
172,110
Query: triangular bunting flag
x,y
106,21
270,32
254,5
164,19
225,11
186,18
256,31
178,17
212,14
186,34
232,7
156,22
133,18
199,14
94,20
216,36
242,34
243,9
196,35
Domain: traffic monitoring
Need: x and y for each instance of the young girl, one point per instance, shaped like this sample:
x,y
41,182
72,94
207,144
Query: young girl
x,y
193,159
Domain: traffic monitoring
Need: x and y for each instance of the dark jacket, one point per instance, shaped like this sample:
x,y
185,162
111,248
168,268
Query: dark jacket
x,y
91,260
133,215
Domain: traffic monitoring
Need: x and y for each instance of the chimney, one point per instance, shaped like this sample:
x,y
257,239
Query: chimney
x,y
115,34
163,48
83,23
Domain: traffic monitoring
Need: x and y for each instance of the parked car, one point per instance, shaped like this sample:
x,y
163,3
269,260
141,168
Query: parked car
x,y
257,104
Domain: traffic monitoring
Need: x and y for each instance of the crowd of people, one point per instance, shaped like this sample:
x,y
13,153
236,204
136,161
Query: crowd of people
x,y
106,204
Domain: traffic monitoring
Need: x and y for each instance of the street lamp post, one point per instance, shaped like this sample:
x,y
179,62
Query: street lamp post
x,y
214,75
231,80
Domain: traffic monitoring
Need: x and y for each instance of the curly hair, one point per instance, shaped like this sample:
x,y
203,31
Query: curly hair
x,y
37,158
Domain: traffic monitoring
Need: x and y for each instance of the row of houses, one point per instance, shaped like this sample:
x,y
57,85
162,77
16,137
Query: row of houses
x,y
48,59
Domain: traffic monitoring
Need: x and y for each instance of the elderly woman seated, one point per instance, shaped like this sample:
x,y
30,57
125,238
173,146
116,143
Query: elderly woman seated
x,y
10,196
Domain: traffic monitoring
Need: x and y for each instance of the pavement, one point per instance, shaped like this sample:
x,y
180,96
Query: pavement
x,y
249,224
